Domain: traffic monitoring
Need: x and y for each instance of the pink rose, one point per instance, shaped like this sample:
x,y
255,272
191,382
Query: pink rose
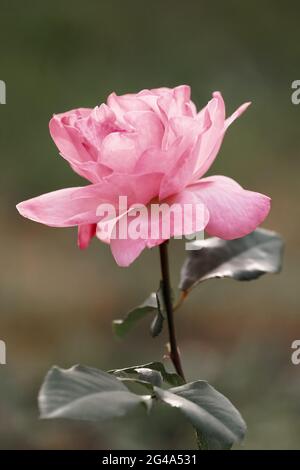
x,y
149,146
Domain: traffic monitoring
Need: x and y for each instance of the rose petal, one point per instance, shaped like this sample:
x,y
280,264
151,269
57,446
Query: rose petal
x,y
122,104
214,114
233,211
183,214
85,234
126,251
187,216
237,113
148,127
65,207
185,158
67,140
78,135
119,151
212,139
76,206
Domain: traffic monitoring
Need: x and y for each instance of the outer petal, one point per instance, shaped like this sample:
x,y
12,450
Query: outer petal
x,y
67,138
213,137
85,234
126,251
65,207
214,112
233,211
69,143
78,134
237,113
77,206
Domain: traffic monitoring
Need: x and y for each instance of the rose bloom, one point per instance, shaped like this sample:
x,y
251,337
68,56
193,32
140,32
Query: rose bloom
x,y
149,146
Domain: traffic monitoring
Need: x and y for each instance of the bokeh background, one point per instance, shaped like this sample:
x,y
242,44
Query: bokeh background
x,y
57,303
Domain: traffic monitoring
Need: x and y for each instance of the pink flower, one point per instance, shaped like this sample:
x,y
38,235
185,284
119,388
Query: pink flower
x,y
149,146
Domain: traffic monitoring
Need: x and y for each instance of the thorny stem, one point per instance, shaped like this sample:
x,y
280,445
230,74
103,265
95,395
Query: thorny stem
x,y
166,286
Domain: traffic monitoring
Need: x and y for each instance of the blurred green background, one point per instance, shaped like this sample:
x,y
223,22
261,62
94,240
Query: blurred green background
x,y
57,303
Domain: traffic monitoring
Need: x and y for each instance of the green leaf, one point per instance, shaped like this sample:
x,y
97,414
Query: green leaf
x,y
122,326
140,375
242,259
86,393
90,394
169,378
154,377
136,385
217,421
158,322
